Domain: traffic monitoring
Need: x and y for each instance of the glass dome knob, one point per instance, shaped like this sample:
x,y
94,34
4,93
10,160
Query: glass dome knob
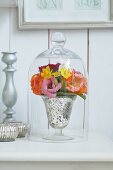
x,y
58,40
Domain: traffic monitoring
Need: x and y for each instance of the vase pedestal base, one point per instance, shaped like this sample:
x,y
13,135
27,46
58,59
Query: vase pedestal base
x,y
58,138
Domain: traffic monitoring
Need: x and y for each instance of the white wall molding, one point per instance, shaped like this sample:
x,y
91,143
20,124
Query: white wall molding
x,y
8,3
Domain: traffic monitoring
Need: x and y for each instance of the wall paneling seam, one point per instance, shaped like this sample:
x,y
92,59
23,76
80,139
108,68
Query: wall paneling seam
x,y
49,32
10,22
88,51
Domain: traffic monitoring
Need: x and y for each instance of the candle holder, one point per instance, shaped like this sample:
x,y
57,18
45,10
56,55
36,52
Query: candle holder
x,y
9,95
8,133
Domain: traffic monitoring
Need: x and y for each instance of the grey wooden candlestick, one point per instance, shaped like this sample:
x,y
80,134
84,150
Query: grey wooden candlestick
x,y
9,95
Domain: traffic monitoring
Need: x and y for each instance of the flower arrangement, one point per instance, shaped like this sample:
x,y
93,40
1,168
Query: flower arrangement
x,y
56,80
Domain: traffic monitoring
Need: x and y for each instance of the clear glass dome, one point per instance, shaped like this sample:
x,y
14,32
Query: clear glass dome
x,y
58,97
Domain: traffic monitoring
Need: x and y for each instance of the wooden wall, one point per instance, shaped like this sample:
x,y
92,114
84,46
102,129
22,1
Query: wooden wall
x,y
95,46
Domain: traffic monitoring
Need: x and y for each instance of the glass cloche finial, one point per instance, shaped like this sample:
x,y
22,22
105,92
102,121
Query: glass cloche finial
x,y
58,39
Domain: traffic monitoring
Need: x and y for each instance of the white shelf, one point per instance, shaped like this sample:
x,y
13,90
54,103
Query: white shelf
x,y
98,148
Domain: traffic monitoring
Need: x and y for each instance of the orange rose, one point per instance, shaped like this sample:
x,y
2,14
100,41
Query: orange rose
x,y
69,81
77,83
36,84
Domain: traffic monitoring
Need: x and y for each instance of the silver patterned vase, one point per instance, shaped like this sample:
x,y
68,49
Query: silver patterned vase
x,y
58,113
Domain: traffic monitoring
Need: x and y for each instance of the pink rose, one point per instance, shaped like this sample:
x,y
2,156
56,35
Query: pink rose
x,y
49,88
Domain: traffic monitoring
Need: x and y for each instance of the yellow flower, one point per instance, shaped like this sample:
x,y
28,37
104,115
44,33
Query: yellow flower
x,y
56,74
46,72
66,73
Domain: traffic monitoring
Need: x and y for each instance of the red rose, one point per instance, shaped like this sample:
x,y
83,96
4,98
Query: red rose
x,y
53,67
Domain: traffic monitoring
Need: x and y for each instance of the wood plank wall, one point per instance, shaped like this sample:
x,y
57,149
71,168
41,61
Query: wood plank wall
x,y
94,46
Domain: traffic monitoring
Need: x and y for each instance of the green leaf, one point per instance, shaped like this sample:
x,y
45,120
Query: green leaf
x,y
56,81
63,85
82,96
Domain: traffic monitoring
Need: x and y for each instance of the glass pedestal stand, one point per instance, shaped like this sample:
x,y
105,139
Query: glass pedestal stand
x,y
58,136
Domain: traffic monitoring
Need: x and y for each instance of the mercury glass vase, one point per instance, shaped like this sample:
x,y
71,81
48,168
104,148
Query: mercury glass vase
x,y
58,111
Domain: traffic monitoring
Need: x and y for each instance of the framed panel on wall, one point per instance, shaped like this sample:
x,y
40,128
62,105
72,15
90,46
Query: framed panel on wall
x,y
8,3
64,14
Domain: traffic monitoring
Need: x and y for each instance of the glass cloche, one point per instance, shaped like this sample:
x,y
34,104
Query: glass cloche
x,y
58,100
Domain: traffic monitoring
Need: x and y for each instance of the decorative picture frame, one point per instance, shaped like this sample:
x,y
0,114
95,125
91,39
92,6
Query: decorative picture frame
x,y
63,14
8,3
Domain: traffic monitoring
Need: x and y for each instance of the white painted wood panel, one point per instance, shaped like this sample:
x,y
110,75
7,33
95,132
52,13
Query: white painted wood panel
x,y
28,45
4,29
4,46
101,80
